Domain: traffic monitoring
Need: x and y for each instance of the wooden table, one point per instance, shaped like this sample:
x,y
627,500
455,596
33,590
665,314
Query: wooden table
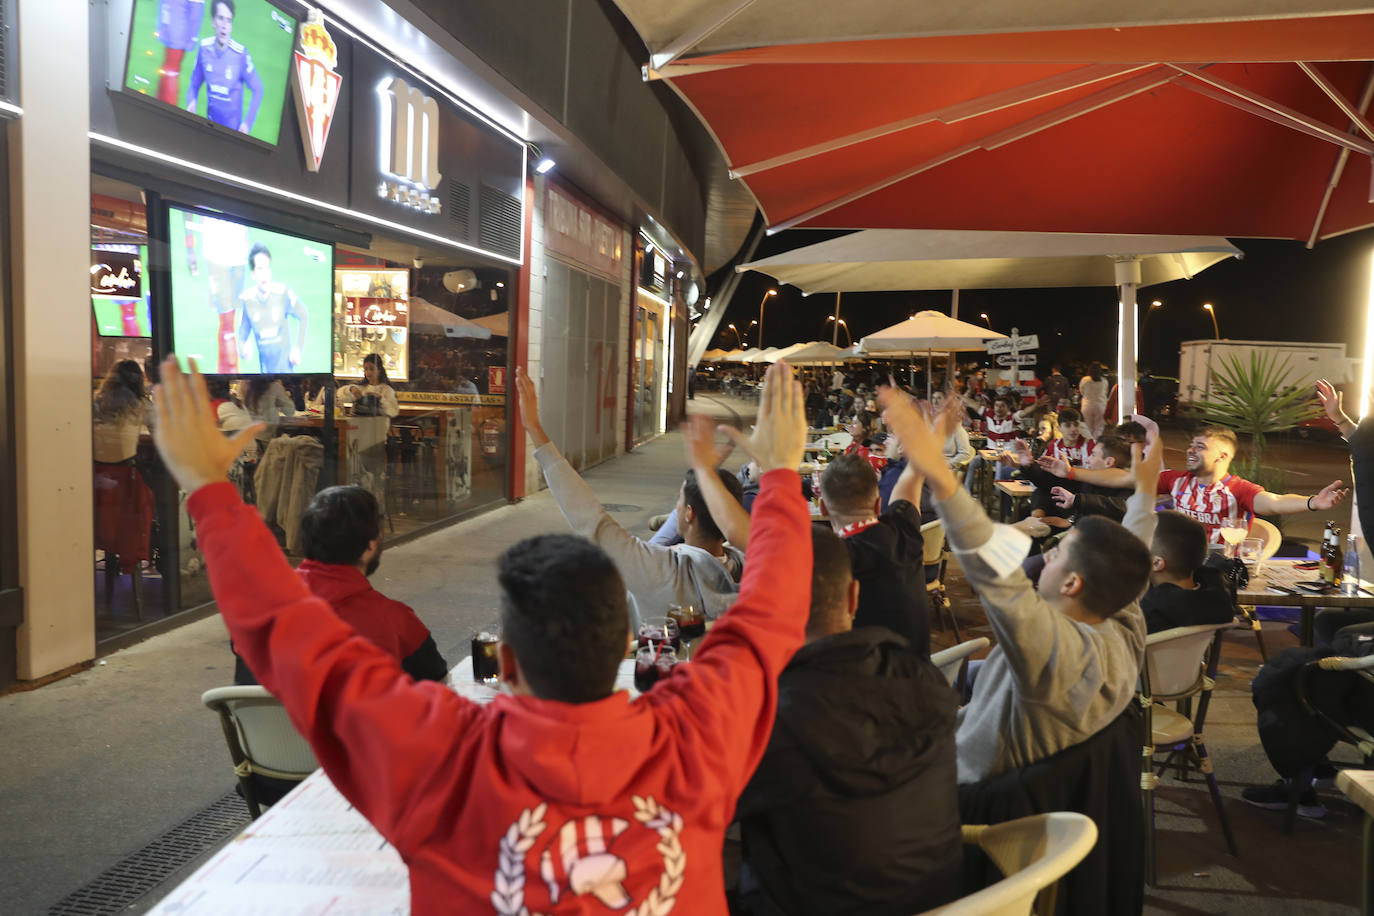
x,y
1358,786
1019,491
1280,572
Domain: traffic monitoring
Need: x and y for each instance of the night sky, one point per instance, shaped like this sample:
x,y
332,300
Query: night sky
x,y
1278,291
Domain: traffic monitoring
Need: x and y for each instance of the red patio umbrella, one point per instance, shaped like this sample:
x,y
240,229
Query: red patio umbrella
x,y
1224,127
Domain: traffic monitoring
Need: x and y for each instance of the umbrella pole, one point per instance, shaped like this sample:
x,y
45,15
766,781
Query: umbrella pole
x,y
1128,278
927,373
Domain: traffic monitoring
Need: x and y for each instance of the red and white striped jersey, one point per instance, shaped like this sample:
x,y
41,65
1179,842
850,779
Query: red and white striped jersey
x,y
1076,455
1227,503
1003,430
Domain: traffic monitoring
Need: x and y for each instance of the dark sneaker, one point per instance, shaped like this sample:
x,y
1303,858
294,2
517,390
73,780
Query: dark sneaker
x,y
1275,798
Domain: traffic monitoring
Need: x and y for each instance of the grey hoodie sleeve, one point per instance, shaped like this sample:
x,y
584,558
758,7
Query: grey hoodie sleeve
x,y
645,567
1044,648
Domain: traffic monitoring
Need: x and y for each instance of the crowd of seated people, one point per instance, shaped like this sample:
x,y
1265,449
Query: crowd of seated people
x,y
809,715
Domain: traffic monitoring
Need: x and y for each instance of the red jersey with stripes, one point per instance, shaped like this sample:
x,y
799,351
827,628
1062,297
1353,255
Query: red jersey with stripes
x,y
1076,455
1227,503
1003,430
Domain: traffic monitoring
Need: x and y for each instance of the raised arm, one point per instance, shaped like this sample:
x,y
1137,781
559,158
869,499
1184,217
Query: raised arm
x,y
699,435
727,696
1328,497
1332,403
1100,477
371,727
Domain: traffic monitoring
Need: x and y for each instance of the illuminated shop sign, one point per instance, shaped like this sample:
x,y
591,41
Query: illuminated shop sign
x,y
409,146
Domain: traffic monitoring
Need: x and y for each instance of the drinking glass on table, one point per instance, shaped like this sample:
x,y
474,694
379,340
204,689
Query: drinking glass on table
x,y
691,623
1233,538
1250,550
651,663
659,631
486,669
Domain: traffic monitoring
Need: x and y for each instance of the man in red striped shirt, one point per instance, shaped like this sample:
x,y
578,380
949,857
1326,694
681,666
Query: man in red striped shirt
x,y
1072,445
1208,491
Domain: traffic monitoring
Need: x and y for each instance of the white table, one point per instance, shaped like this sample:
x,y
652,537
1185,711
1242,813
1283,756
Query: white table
x,y
313,854
1358,786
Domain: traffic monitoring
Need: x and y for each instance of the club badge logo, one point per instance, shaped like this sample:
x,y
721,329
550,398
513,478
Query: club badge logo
x,y
316,83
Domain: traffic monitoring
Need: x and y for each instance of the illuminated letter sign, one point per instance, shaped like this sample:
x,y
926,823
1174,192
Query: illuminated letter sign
x,y
409,145
316,81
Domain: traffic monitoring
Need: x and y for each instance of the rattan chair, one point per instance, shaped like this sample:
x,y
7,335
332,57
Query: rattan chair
x,y
1034,853
1179,666
953,662
936,560
1354,735
262,741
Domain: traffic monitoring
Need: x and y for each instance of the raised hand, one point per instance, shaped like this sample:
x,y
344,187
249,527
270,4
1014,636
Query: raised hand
x,y
1332,403
1146,462
699,435
1063,498
1150,426
779,436
924,447
528,401
1330,495
1056,466
187,433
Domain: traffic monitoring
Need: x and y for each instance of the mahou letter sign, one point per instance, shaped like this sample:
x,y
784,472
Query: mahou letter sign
x,y
316,81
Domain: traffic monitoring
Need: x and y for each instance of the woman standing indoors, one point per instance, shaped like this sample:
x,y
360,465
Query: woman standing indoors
x,y
1093,388
375,385
123,502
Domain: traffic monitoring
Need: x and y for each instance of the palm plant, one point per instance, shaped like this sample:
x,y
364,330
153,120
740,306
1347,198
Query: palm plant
x,y
1256,399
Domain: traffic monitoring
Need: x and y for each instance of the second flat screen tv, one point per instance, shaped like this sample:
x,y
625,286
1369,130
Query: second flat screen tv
x,y
247,300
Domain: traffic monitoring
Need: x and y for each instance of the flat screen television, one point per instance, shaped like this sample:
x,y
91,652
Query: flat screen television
x,y
223,62
119,297
248,300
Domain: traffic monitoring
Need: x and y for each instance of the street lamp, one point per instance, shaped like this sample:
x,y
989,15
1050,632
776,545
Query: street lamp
x,y
762,303
986,320
739,341
1207,307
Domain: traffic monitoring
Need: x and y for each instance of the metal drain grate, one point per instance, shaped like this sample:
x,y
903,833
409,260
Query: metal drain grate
x,y
124,883
621,507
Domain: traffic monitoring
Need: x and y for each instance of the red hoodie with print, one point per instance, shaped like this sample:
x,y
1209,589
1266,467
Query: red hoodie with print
x,y
525,805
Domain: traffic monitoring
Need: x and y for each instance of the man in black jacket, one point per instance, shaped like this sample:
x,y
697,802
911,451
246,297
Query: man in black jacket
x,y
853,808
1184,591
887,549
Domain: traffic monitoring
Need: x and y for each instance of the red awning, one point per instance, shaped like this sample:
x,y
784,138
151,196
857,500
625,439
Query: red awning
x,y
1208,128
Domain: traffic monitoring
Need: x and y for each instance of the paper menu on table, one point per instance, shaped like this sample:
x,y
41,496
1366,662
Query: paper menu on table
x,y
313,816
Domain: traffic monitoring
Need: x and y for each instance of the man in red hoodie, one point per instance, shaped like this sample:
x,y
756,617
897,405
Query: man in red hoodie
x,y
560,796
341,537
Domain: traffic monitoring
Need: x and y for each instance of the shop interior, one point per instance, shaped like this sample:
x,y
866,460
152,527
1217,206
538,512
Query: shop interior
x,y
437,319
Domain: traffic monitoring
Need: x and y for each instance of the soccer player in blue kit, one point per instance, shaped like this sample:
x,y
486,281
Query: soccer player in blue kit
x,y
225,67
266,306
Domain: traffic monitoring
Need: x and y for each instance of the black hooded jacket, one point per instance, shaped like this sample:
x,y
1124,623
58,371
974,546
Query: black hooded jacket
x,y
853,808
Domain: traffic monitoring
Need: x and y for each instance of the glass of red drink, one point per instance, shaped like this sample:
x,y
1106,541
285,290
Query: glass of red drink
x,y
691,620
659,631
651,663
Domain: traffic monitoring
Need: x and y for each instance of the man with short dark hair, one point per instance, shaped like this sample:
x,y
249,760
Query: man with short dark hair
x,y
341,538
703,570
865,729
265,309
557,795
1069,650
886,548
1184,592
1208,491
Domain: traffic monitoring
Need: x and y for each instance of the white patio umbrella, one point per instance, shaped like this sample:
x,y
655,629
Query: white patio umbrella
x,y
927,332
911,259
714,356
425,316
819,353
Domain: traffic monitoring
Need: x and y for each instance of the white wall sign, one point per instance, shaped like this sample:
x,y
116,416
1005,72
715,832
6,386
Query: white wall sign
x,y
1010,344
409,146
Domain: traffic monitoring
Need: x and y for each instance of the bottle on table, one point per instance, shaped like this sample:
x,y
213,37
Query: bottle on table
x,y
1350,569
1331,560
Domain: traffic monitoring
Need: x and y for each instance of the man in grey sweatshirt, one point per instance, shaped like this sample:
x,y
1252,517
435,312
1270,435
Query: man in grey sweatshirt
x,y
1068,653
703,570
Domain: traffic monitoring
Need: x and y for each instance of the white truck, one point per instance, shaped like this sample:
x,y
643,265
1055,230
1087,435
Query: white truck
x,y
1307,362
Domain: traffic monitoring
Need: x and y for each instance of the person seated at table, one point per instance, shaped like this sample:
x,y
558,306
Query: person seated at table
x,y
341,537
703,570
1069,651
865,728
375,385
1000,429
267,402
1072,445
1184,591
1207,490
560,795
1063,500
886,547
958,450
123,502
